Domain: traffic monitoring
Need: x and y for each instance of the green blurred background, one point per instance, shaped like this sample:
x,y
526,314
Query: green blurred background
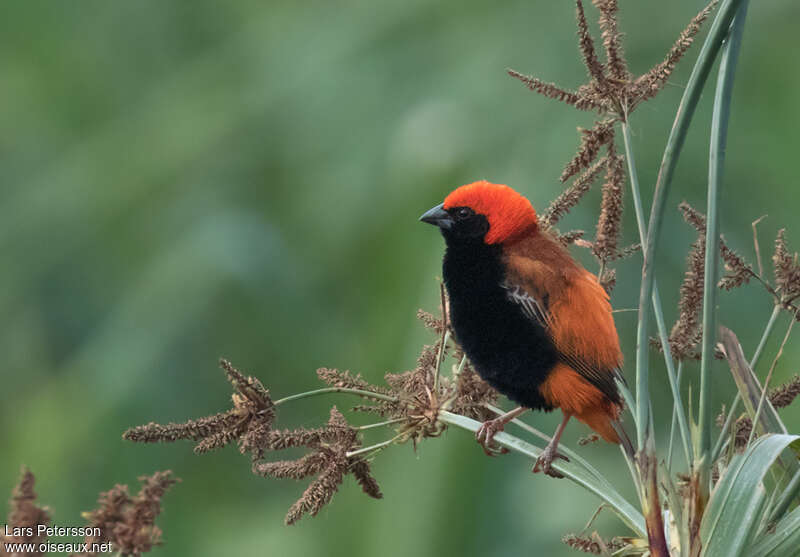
x,y
188,180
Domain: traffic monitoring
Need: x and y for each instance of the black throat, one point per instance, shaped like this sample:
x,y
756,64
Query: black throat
x,y
511,352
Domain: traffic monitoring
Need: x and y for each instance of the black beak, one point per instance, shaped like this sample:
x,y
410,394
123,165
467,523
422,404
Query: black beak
x,y
437,216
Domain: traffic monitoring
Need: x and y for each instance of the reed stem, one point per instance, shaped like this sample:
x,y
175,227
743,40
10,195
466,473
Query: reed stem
x,y
719,134
669,161
674,381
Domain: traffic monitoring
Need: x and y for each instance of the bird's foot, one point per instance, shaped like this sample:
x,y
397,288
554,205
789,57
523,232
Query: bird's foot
x,y
545,461
485,436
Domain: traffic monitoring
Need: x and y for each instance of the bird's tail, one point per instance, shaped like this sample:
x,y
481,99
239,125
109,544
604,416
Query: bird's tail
x,y
624,440
602,419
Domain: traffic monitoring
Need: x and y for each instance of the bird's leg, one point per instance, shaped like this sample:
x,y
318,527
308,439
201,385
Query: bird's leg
x,y
485,434
543,463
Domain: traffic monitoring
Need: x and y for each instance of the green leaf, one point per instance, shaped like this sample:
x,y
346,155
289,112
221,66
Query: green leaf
x,y
736,506
784,500
783,541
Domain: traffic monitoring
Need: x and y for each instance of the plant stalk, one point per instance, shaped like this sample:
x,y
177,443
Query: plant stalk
x,y
680,127
674,380
326,390
719,134
675,411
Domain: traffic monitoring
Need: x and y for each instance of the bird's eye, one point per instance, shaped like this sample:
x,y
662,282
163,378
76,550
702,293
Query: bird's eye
x,y
464,212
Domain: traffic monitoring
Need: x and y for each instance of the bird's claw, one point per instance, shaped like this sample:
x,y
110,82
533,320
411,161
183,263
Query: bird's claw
x,y
485,437
545,461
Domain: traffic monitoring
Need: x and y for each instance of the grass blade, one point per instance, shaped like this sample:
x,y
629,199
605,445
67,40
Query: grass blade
x,y
669,161
679,413
719,138
783,541
736,504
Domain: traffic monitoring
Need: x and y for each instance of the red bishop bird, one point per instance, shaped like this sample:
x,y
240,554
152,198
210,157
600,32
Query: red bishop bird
x,y
535,324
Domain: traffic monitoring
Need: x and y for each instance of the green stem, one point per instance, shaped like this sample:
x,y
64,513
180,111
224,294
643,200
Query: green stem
x,y
773,318
791,491
765,388
675,410
381,424
460,367
326,390
674,382
719,135
440,358
680,127
375,447
617,502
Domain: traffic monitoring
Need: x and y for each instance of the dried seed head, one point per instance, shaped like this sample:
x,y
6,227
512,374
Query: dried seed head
x,y
602,133
609,225
592,544
586,44
552,91
344,379
686,333
433,323
319,492
784,395
571,196
612,39
472,395
25,513
248,422
582,543
588,439
648,85
742,429
307,465
787,270
608,280
571,237
693,217
329,461
627,251
129,522
369,485
739,272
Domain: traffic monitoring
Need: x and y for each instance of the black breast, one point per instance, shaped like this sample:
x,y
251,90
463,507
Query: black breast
x,y
511,352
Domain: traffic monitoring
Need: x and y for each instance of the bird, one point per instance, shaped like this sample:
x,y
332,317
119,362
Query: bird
x,y
534,323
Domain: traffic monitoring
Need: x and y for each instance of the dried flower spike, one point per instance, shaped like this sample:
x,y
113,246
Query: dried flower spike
x,y
783,395
685,334
611,88
739,272
24,513
330,462
602,133
570,197
787,270
609,225
128,522
593,545
249,421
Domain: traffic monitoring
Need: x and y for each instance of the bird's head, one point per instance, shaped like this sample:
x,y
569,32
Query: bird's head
x,y
493,213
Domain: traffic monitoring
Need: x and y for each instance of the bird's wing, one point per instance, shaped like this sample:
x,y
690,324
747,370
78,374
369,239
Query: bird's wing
x,y
575,312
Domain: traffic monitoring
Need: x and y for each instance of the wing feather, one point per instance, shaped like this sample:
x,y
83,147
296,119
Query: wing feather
x,y
574,310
